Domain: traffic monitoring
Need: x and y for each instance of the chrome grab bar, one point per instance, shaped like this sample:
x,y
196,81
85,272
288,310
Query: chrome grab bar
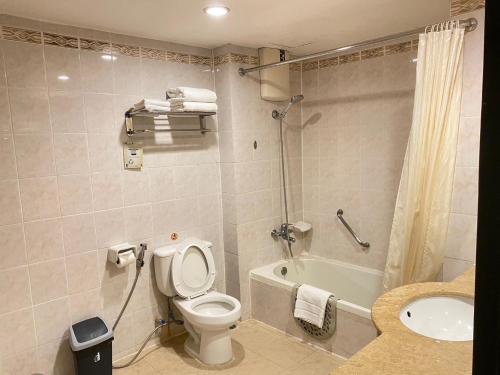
x,y
358,240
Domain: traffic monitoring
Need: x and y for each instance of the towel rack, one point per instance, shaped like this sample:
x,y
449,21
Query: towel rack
x,y
131,113
340,212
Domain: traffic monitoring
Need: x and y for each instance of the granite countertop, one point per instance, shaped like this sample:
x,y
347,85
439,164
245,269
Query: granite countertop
x,y
400,351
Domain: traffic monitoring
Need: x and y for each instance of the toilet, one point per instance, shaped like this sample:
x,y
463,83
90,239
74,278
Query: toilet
x,y
186,271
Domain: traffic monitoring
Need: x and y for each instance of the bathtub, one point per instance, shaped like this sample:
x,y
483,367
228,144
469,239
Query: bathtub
x,y
272,298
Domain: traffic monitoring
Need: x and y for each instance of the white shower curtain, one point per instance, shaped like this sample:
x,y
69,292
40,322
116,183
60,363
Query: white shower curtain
x,y
420,225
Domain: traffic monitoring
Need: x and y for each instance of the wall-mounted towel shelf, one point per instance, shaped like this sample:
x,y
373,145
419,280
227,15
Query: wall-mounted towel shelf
x,y
131,113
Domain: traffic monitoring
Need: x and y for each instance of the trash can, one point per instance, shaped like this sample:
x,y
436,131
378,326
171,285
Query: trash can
x,y
91,341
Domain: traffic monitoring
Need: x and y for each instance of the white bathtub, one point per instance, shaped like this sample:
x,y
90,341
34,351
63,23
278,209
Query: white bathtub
x,y
355,287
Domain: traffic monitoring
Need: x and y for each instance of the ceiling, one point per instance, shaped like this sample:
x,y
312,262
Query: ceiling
x,y
303,26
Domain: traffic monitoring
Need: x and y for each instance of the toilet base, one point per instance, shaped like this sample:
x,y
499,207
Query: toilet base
x,y
212,348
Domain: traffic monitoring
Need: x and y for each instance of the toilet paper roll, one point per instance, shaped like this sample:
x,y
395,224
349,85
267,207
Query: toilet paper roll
x,y
125,258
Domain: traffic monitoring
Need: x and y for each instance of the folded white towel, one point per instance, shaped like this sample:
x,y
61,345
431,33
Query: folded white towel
x,y
152,105
310,304
192,94
181,106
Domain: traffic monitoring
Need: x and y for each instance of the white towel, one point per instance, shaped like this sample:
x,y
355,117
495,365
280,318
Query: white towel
x,y
192,94
153,105
181,106
310,304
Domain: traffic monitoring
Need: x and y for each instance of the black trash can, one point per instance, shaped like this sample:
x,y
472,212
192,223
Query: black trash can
x,y
91,341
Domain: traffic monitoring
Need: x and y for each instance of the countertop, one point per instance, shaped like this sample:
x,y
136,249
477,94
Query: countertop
x,y
400,351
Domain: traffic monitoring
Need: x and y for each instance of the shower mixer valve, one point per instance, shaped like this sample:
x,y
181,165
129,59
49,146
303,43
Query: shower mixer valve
x,y
283,232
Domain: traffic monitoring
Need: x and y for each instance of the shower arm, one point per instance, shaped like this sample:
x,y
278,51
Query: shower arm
x,y
358,240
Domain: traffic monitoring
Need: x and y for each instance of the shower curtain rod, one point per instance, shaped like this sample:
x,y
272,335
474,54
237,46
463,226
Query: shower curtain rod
x,y
469,24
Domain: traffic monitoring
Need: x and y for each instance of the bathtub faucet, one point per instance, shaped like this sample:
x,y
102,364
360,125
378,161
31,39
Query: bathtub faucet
x,y
284,232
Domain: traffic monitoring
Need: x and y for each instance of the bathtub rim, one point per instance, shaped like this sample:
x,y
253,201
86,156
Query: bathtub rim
x,y
266,275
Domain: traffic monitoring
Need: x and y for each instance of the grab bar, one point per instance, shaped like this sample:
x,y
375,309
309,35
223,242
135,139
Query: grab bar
x,y
358,240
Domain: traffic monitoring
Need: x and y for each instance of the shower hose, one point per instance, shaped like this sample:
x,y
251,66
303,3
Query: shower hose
x,y
170,315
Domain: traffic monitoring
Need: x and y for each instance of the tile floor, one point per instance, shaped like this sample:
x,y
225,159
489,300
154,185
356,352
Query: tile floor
x,y
259,349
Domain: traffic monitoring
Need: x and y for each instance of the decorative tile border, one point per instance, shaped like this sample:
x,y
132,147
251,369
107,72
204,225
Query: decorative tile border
x,y
60,40
464,6
21,35
398,48
153,53
238,58
37,37
64,41
365,54
125,50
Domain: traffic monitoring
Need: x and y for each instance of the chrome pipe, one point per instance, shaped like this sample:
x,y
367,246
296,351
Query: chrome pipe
x,y
358,240
469,24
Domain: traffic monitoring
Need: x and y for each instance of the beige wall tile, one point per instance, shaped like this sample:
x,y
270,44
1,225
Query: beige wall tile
x,y
18,332
85,305
12,246
79,234
138,222
97,72
62,62
5,118
8,167
35,155
136,188
107,190
44,240
29,110
75,194
82,272
126,70
465,191
110,227
71,153
10,203
67,113
52,320
99,113
39,198
15,289
161,184
48,280
24,64
55,355
105,152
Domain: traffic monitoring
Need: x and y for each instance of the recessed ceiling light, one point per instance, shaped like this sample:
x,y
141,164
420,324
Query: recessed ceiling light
x,y
216,10
63,77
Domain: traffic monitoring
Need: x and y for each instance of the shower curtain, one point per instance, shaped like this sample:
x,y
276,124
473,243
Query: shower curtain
x,y
420,225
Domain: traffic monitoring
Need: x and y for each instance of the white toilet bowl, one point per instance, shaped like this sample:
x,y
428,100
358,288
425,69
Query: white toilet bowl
x,y
207,319
186,271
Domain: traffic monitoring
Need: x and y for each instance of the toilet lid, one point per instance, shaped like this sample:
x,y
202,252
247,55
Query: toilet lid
x,y
193,268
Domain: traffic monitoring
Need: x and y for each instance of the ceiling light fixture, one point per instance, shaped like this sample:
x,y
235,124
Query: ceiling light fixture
x,y
216,10
63,77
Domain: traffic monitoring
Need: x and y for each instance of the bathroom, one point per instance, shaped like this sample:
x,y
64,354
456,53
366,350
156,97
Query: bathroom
x,y
162,182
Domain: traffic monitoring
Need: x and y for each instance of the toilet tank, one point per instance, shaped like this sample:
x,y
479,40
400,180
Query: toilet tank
x,y
163,261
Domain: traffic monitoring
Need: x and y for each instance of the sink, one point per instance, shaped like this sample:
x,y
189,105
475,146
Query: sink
x,y
443,317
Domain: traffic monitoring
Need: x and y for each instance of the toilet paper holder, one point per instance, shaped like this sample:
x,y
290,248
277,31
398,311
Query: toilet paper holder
x,y
115,253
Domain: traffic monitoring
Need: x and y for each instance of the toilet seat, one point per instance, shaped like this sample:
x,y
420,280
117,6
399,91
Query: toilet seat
x,y
213,310
193,268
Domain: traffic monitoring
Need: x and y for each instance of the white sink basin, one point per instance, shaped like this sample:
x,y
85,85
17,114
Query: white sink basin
x,y
442,318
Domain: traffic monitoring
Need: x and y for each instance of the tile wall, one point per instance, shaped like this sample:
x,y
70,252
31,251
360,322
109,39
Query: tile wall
x,y
356,120
461,245
65,197
251,179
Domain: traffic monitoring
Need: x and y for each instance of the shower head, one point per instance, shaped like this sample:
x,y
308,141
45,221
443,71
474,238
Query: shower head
x,y
296,98
293,100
